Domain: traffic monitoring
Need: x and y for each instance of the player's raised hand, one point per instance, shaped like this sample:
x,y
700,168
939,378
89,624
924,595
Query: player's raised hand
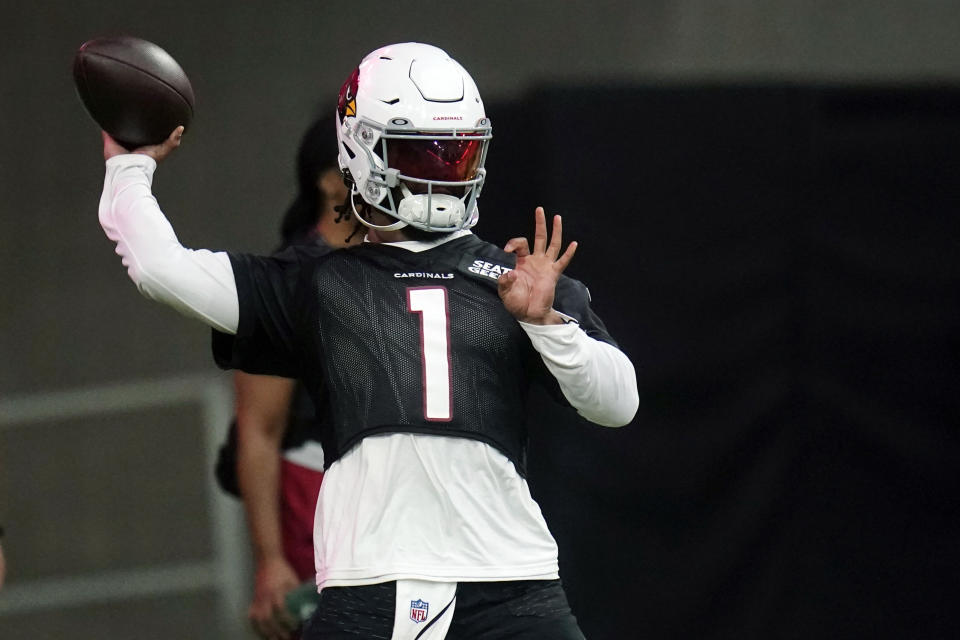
x,y
156,151
527,291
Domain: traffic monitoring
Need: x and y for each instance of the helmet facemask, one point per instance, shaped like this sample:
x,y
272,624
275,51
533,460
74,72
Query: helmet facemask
x,y
428,179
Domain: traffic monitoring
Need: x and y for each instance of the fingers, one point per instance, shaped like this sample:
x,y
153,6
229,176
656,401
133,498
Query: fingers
x,y
540,231
506,280
111,147
270,619
556,238
160,151
171,143
505,289
284,618
564,260
262,625
540,245
175,136
519,246
270,628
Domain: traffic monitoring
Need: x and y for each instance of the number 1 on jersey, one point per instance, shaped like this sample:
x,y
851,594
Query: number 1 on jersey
x,y
431,305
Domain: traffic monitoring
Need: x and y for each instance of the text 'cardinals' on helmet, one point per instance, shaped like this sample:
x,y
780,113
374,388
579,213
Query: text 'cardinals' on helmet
x,y
413,137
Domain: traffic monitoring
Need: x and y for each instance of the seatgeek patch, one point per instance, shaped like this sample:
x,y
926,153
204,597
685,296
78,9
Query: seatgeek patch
x,y
481,267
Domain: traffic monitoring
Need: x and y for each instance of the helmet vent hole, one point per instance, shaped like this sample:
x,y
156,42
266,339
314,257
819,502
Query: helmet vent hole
x,y
385,58
394,101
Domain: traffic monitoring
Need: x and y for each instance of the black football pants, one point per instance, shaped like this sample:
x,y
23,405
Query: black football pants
x,y
519,610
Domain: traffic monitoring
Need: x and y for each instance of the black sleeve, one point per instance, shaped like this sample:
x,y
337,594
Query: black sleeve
x,y
572,298
269,290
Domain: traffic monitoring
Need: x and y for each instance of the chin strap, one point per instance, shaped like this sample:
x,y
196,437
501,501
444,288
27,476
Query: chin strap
x,y
399,224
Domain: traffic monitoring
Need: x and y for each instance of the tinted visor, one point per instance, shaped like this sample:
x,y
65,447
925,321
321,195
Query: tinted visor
x,y
441,160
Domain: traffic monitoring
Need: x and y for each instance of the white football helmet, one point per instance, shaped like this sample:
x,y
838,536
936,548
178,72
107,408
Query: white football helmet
x,y
413,138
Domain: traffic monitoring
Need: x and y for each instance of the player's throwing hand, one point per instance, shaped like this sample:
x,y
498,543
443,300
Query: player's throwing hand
x,y
527,291
156,151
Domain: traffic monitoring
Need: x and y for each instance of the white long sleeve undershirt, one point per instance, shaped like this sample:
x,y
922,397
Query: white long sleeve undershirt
x,y
198,284
596,378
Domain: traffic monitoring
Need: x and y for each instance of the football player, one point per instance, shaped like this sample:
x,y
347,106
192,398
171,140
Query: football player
x,y
420,346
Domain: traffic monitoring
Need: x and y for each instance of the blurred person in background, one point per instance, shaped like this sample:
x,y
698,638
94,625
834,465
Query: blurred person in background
x,y
273,458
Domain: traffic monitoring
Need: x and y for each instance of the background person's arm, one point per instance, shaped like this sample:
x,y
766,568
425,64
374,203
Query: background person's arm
x,y
263,407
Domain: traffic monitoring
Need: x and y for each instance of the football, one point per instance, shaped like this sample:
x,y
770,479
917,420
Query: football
x,y
133,89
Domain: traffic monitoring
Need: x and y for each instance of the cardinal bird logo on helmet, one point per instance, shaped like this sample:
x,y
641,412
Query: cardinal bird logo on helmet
x,y
347,101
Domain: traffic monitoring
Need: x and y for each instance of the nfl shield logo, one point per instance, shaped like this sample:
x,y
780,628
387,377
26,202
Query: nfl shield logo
x,y
418,610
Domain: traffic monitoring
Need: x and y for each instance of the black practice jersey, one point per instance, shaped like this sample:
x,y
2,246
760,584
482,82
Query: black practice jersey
x,y
390,340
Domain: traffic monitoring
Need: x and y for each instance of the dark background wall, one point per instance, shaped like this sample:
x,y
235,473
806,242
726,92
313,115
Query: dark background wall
x,y
780,262
765,197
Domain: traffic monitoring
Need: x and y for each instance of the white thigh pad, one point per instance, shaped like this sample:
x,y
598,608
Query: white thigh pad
x,y
424,609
